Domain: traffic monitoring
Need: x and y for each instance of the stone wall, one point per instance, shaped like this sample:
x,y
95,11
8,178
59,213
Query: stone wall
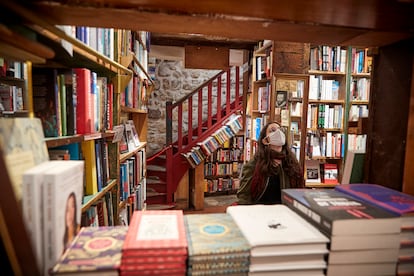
x,y
173,82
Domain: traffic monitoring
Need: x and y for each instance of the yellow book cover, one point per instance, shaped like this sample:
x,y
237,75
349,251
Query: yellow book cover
x,y
88,152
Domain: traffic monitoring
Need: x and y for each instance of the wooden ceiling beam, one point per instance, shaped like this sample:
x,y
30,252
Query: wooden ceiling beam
x,y
214,25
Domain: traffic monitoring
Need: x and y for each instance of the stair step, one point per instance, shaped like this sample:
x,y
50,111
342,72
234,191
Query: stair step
x,y
160,207
154,193
155,181
156,168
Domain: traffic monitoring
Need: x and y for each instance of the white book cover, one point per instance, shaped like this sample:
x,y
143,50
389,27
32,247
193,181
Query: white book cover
x,y
277,230
363,256
62,193
382,269
276,263
32,202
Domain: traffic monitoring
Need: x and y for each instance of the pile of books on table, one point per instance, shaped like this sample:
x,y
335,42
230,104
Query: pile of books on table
x,y
216,245
364,239
282,243
155,244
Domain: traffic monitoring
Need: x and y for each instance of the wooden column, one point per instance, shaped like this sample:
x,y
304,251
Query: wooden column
x,y
196,177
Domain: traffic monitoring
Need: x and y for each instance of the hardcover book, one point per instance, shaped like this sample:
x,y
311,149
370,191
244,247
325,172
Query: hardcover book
x,y
94,250
277,230
216,242
62,199
156,232
335,213
391,200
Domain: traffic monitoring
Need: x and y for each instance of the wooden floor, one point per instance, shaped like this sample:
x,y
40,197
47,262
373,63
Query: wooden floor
x,y
215,204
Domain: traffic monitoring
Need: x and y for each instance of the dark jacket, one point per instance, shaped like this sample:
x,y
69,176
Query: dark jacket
x,y
244,193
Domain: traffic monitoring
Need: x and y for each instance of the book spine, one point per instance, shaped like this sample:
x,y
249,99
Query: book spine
x,y
48,231
320,222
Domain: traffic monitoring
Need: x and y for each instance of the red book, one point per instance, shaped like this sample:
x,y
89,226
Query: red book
x,y
84,111
156,232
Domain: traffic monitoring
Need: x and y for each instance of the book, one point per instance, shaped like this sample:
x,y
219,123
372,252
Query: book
x,y
156,232
277,230
363,256
391,200
84,101
335,213
313,171
91,176
46,100
23,145
361,269
330,173
62,199
214,235
32,204
354,167
95,250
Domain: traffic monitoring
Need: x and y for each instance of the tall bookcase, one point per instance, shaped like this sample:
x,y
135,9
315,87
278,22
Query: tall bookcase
x,y
57,49
324,109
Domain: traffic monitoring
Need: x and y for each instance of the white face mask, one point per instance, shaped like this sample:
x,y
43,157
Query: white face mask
x,y
277,138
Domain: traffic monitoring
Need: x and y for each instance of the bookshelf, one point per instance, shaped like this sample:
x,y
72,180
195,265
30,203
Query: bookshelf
x,y
57,52
223,167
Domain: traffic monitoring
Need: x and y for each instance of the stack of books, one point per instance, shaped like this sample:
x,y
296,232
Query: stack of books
x,y
364,239
282,243
216,246
155,244
398,203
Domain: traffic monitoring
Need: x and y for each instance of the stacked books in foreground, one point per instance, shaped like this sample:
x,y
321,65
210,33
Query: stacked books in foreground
x,y
364,239
155,244
216,246
398,203
282,243
94,251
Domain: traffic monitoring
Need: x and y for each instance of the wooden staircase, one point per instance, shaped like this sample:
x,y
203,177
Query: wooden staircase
x,y
217,99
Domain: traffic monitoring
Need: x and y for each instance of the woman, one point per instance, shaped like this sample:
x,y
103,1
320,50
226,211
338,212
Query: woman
x,y
71,224
273,168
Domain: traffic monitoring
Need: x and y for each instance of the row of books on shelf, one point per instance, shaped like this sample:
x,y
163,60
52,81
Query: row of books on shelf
x,y
360,88
222,169
326,116
12,75
328,58
101,213
323,89
127,136
264,65
199,153
358,111
132,175
350,230
328,144
72,101
135,93
361,61
325,173
226,155
221,184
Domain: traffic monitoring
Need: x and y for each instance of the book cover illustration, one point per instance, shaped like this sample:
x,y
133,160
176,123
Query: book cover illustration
x,y
23,145
326,207
95,249
277,230
62,195
394,201
159,230
215,242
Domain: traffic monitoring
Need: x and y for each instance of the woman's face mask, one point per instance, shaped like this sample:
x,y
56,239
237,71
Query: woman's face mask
x,y
277,138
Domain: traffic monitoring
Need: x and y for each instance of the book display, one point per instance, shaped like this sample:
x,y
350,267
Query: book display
x,y
353,227
280,240
395,202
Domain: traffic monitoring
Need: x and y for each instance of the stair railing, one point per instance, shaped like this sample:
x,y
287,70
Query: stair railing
x,y
201,121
